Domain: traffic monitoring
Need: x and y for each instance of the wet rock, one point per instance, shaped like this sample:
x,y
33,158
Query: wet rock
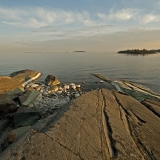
x,y
17,133
29,97
26,117
51,80
7,105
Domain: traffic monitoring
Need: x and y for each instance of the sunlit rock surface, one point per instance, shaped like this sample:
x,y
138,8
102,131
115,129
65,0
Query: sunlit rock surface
x,y
14,84
100,125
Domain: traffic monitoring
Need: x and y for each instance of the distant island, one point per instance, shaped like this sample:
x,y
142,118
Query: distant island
x,y
79,51
139,52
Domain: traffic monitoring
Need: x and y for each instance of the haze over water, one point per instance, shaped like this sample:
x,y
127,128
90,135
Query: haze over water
x,y
76,67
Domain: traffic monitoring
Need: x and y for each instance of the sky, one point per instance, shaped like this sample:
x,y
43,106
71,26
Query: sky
x,y
69,25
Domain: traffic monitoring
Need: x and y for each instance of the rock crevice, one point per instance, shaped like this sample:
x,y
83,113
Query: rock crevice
x,y
100,125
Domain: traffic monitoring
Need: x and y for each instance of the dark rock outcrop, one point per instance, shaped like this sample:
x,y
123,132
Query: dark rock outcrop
x,y
51,80
7,105
102,125
4,123
26,117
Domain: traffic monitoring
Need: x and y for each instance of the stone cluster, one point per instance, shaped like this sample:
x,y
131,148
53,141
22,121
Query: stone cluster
x,y
28,101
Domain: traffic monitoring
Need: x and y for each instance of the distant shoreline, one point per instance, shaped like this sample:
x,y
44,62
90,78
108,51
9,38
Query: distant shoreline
x,y
140,52
79,51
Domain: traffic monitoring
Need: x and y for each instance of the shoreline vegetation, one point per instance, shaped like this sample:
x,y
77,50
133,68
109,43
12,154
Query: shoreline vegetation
x,y
139,52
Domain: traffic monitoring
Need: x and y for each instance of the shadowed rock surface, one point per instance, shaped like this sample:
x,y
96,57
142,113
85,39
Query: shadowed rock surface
x,y
7,104
100,125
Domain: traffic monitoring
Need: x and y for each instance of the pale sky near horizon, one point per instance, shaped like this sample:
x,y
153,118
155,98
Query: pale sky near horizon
x,y
68,25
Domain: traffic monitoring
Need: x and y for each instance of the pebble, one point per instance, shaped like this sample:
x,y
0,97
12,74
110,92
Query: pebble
x,y
53,97
74,87
101,81
59,92
72,84
78,85
34,85
45,93
60,89
66,86
76,95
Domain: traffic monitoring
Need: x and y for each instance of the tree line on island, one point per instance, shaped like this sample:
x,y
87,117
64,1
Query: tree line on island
x,y
138,51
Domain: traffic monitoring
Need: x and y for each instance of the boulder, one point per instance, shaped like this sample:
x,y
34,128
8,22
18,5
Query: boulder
x,y
29,97
13,135
15,92
25,76
10,86
26,117
51,80
14,84
7,105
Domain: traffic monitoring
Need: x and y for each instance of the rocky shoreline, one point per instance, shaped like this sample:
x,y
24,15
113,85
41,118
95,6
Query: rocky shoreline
x,y
53,113
23,101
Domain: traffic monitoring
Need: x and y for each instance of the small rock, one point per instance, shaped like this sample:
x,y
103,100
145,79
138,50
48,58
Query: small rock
x,y
78,85
16,133
66,86
59,92
72,84
38,88
101,81
60,88
53,89
45,93
73,87
34,85
51,80
76,95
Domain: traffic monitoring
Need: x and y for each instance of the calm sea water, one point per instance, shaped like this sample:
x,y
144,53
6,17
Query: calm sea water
x,y
76,67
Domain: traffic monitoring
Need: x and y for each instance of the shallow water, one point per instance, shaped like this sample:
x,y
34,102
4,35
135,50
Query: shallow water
x,y
76,67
